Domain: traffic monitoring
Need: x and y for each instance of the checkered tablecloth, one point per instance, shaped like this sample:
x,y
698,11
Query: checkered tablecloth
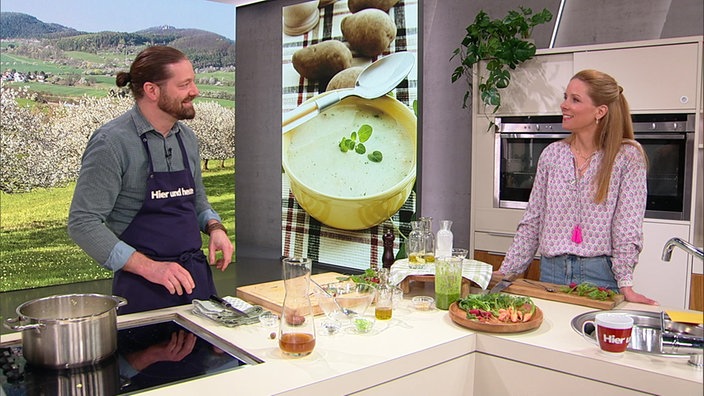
x,y
477,271
303,235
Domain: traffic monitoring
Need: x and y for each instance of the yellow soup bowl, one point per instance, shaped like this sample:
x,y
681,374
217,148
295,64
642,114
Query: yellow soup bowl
x,y
348,190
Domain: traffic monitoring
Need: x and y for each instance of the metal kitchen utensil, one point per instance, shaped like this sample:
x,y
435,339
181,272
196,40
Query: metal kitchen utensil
x,y
547,289
504,283
226,304
345,311
376,80
68,331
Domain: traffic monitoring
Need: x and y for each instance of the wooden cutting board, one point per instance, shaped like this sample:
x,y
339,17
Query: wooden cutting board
x,y
534,289
270,295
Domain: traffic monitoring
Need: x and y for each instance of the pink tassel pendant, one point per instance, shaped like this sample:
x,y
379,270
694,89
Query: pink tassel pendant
x,y
577,234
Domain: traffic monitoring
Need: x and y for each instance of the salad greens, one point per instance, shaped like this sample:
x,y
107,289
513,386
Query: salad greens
x,y
369,277
497,307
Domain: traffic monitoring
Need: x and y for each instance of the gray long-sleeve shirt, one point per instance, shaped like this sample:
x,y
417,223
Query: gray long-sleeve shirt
x,y
112,183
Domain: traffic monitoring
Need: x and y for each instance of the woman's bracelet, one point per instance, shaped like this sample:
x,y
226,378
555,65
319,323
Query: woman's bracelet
x,y
215,226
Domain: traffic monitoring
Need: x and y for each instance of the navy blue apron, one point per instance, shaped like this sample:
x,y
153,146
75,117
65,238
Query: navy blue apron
x,y
165,229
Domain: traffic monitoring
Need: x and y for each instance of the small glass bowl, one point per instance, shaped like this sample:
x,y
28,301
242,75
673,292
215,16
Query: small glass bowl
x,y
363,324
423,303
460,252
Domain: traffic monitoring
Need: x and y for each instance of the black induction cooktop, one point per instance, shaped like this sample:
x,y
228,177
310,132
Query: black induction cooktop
x,y
148,356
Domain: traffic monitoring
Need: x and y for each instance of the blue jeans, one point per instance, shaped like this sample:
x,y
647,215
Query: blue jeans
x,y
569,268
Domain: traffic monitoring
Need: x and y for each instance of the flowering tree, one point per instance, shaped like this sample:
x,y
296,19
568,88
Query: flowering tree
x,y
42,149
215,127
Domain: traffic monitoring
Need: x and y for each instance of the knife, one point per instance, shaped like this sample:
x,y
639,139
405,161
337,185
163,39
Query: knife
x,y
226,304
504,283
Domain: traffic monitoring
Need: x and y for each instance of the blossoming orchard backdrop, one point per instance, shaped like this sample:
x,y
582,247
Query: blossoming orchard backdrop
x,y
57,88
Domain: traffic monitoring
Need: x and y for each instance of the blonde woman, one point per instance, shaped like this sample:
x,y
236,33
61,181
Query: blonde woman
x,y
586,208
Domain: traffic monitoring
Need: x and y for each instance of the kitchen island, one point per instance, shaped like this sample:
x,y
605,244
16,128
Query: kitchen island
x,y
424,352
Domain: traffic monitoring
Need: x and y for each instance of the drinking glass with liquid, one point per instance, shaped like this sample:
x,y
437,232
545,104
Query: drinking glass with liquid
x,y
383,309
448,281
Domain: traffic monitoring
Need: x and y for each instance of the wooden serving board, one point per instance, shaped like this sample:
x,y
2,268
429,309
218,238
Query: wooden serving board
x,y
270,295
459,316
534,289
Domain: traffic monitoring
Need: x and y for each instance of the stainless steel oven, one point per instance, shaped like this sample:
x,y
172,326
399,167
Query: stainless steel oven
x,y
668,140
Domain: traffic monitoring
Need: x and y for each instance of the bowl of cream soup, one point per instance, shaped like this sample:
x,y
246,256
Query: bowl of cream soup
x,y
348,189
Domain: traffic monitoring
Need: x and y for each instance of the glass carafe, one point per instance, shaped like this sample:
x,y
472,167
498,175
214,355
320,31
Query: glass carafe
x,y
297,328
428,240
443,242
416,246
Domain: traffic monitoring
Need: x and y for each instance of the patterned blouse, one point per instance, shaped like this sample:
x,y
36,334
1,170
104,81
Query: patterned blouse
x,y
559,201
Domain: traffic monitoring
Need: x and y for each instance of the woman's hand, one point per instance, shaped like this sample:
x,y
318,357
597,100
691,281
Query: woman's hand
x,y
631,296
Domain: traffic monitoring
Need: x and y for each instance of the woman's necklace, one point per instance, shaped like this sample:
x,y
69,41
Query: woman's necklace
x,y
577,230
585,159
580,169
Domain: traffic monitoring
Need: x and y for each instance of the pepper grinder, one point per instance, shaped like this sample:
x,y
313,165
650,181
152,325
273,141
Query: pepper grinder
x,y
388,257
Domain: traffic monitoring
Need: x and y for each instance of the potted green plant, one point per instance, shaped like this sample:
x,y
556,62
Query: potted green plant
x,y
503,44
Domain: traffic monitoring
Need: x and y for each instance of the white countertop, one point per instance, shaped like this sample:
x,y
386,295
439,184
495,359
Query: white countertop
x,y
412,340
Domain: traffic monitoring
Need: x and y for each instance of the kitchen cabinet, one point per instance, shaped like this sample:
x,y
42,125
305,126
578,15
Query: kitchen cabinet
x,y
495,259
482,374
498,376
696,293
454,377
654,78
537,86
664,281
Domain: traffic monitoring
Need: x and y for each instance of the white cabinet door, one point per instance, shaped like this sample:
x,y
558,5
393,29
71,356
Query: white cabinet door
x,y
498,376
653,78
537,86
454,377
664,281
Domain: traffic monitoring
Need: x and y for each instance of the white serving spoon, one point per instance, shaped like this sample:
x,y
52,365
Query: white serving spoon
x,y
377,79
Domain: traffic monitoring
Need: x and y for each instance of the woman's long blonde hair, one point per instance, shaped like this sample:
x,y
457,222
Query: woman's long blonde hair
x,y
614,129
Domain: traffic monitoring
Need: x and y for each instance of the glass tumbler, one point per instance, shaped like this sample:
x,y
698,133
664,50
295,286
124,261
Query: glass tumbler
x,y
448,281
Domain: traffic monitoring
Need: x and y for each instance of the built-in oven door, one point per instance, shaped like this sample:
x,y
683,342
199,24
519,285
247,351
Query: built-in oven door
x,y
669,174
516,162
670,156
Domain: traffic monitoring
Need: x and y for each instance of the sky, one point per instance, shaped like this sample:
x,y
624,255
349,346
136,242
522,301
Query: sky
x,y
129,15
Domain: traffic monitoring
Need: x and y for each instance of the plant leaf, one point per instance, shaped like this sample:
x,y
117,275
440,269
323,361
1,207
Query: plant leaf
x,y
365,132
375,156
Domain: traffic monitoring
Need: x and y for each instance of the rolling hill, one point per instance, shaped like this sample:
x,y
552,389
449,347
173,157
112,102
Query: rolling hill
x,y
205,49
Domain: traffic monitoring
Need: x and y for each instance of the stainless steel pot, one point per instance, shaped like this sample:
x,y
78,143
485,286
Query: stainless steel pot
x,y
68,331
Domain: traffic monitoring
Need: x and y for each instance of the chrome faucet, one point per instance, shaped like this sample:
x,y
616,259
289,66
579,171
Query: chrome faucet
x,y
686,246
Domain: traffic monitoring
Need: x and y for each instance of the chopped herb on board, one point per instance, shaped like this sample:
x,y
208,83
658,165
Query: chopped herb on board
x,y
587,289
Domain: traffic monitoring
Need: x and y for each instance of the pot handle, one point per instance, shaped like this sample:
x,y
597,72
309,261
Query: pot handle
x,y
10,324
121,301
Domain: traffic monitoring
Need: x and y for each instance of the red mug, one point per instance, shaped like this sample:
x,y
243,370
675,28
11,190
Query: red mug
x,y
613,331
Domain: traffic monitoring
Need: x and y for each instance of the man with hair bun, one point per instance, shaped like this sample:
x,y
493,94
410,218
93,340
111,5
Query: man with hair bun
x,y
140,205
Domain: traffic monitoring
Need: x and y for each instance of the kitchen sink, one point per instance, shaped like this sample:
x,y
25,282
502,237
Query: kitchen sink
x,y
655,334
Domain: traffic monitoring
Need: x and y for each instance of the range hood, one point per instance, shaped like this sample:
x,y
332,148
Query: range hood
x,y
586,22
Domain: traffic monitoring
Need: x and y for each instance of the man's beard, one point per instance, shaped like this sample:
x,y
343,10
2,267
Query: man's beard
x,y
175,108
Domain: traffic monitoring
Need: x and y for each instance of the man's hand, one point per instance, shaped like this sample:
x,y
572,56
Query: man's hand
x,y
219,242
169,274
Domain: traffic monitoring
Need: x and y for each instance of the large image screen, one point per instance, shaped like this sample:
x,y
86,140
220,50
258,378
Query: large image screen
x,y
349,129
